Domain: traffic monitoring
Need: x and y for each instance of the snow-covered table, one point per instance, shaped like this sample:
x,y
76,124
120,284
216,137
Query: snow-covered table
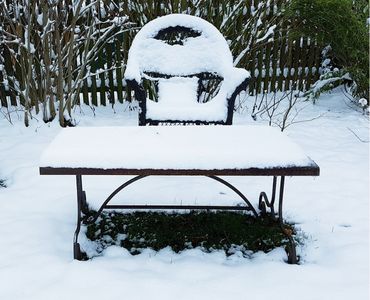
x,y
210,151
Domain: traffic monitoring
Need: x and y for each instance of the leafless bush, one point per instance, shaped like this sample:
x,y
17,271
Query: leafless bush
x,y
47,48
281,109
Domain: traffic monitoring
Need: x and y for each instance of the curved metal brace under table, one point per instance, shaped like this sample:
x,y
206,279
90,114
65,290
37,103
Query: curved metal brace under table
x,y
263,204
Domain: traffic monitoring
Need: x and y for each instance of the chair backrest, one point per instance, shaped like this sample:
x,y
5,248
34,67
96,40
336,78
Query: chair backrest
x,y
178,52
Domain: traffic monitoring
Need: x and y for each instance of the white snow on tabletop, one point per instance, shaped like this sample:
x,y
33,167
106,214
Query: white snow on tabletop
x,y
174,147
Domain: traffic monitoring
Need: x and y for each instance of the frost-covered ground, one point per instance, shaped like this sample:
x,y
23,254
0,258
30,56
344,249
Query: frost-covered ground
x,y
38,219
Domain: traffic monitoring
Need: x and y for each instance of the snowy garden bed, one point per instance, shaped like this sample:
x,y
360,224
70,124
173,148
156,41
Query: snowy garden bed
x,y
38,217
208,231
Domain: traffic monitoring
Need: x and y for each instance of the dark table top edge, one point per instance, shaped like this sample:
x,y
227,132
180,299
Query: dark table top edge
x,y
313,170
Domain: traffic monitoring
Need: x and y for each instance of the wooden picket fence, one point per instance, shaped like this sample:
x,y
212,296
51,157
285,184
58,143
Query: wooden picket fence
x,y
285,66
281,65
278,67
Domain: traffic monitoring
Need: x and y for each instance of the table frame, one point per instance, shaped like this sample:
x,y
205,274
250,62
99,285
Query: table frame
x,y
266,205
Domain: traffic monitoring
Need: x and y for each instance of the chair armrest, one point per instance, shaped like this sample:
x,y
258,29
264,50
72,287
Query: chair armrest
x,y
235,81
139,90
140,96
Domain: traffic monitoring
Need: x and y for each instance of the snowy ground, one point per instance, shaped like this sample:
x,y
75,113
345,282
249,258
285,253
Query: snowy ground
x,y
38,220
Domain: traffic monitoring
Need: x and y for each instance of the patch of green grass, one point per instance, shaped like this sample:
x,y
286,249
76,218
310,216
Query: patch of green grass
x,y
228,231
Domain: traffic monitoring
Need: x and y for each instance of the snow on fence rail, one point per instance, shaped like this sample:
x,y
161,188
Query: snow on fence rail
x,y
276,62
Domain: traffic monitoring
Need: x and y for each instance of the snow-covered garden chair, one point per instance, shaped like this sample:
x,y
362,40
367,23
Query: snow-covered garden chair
x,y
197,52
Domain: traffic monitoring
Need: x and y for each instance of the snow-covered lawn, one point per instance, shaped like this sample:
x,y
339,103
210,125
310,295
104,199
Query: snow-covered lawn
x,y
38,215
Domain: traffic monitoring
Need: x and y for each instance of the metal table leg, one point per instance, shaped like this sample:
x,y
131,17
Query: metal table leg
x,y
290,248
77,253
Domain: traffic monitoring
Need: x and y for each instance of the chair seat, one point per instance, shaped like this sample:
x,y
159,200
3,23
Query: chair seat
x,y
177,101
178,91
208,112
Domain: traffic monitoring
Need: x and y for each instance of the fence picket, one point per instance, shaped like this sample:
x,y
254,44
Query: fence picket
x,y
302,64
102,86
94,91
274,59
310,63
283,57
288,66
295,62
119,71
259,68
112,86
3,101
267,64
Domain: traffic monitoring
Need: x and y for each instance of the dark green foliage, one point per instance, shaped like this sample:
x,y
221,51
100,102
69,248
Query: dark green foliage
x,y
226,231
340,24
2,183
